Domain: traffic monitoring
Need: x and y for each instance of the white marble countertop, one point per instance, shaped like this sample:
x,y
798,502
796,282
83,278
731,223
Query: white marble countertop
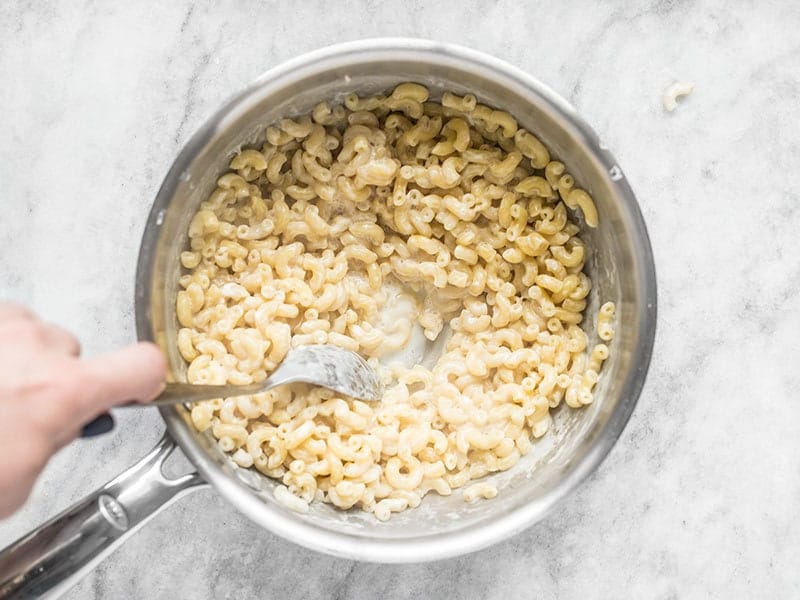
x,y
700,495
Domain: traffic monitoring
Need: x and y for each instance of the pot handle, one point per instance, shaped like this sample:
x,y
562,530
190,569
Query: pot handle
x,y
53,557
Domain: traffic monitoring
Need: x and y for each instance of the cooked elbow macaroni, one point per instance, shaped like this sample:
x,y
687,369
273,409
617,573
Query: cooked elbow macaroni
x,y
675,91
449,211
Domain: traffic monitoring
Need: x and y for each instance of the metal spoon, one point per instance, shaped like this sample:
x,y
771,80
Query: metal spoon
x,y
328,366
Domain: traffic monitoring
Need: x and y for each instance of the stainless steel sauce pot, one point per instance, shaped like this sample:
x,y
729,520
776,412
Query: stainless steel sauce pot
x,y
621,266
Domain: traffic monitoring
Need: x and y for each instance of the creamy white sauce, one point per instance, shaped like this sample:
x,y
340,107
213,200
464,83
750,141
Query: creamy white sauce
x,y
400,312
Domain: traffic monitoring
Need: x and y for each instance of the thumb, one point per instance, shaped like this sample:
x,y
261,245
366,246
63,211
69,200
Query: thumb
x,y
136,372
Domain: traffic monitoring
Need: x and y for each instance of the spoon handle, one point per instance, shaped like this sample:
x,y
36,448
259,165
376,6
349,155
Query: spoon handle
x,y
178,393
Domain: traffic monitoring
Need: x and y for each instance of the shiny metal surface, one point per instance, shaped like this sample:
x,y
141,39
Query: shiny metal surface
x,y
323,365
620,264
50,559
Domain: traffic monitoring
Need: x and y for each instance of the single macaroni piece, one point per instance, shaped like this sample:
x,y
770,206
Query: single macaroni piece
x,y
289,500
355,226
484,489
675,91
605,331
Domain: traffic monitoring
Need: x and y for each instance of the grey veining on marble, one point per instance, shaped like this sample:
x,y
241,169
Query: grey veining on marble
x,y
700,496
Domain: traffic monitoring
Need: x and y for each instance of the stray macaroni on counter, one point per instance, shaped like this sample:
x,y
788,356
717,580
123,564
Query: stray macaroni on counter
x,y
447,209
675,91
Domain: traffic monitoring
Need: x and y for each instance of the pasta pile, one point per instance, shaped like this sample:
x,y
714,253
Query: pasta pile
x,y
356,226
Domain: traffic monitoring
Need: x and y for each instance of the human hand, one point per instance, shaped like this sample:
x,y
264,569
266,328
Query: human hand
x,y
47,393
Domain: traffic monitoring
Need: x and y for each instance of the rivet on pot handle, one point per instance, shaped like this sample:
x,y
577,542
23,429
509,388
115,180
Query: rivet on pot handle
x,y
53,557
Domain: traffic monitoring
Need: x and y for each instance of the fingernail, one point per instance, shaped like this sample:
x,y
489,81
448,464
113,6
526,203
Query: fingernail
x,y
157,392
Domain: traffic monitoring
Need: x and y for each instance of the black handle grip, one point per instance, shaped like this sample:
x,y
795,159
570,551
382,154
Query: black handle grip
x,y
99,425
